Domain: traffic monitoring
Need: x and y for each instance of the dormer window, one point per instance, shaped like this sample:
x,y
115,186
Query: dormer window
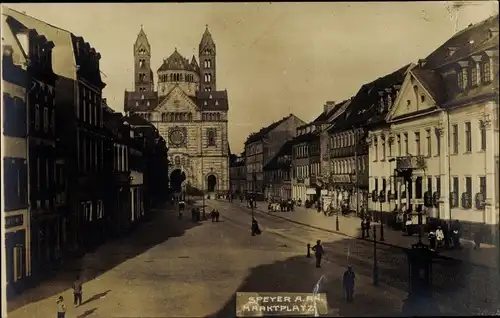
x,y
451,51
422,98
216,103
408,103
142,96
462,78
136,103
210,96
485,71
148,104
205,103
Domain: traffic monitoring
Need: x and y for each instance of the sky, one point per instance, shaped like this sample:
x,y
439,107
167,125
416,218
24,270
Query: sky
x,y
274,59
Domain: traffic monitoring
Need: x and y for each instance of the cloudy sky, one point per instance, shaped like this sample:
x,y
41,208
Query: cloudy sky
x,y
273,58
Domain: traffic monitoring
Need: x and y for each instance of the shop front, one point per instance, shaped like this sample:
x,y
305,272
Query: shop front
x,y
346,190
45,241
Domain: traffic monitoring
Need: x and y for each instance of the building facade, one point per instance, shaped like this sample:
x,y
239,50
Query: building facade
x,y
444,119
30,180
305,168
188,111
238,177
262,146
278,173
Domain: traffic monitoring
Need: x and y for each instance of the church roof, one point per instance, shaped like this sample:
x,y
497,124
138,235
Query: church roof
x,y
215,100
135,102
176,62
206,39
194,63
142,38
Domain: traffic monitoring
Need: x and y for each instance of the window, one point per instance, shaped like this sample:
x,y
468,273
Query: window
x,y
462,78
399,144
417,143
45,119
383,148
53,121
485,72
454,133
468,137
384,185
211,137
468,185
455,185
429,143
422,98
37,116
482,185
38,167
375,145
438,184
473,76
429,184
376,186
18,262
406,144
482,128
437,132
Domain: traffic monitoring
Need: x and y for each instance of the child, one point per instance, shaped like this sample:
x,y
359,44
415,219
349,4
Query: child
x,y
61,307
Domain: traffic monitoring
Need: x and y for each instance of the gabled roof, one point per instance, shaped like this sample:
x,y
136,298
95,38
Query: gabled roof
x,y
307,137
324,116
432,82
363,109
475,38
142,38
136,120
285,150
194,64
63,57
215,100
264,131
176,62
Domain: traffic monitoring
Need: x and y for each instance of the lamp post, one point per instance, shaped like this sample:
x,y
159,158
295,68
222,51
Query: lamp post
x,y
337,220
381,199
375,265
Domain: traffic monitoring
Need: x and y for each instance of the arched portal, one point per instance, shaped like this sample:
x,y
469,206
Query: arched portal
x,y
211,183
177,177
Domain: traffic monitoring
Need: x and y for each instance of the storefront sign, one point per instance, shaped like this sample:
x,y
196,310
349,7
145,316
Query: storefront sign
x,y
341,178
310,191
417,201
13,221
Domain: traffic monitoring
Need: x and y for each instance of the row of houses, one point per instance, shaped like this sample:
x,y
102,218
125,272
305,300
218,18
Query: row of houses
x,y
423,138
74,171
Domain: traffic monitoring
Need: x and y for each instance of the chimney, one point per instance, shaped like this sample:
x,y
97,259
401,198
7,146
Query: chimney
x,y
329,105
492,32
421,62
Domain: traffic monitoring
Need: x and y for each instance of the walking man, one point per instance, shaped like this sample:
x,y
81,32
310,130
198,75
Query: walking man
x,y
348,282
77,291
61,307
318,252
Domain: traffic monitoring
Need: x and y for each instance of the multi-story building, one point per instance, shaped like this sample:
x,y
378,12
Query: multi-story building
x,y
14,164
349,150
188,111
443,134
79,131
310,154
238,177
306,146
278,173
262,146
155,189
30,130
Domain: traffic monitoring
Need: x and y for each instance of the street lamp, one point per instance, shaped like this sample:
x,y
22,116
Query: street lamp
x,y
375,265
253,213
381,199
337,220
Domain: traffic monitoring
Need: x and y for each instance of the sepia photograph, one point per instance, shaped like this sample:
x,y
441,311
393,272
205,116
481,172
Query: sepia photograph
x,y
237,159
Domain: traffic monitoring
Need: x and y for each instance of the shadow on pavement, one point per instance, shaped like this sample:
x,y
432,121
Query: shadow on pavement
x,y
96,297
87,313
298,275
158,228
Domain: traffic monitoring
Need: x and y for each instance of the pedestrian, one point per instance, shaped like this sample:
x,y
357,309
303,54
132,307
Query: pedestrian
x,y
217,215
367,226
77,291
478,239
212,215
318,252
439,237
61,307
348,282
363,228
432,240
193,214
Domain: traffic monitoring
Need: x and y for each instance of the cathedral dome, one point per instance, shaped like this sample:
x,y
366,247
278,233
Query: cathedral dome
x,y
176,62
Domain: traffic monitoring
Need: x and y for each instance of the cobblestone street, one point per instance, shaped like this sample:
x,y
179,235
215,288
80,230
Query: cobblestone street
x,y
196,272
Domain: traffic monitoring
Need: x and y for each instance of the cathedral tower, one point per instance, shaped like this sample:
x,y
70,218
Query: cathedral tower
x,y
142,64
207,62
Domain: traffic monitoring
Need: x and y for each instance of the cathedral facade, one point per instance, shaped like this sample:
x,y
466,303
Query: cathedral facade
x,y
188,111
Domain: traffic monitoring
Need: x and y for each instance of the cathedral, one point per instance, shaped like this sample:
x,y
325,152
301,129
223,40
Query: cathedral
x,y
188,111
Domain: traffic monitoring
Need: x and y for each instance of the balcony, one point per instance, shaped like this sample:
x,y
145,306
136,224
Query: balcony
x,y
410,163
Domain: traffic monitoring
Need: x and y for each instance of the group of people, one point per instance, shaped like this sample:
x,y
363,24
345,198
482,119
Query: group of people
x,y
77,298
282,205
446,236
348,280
